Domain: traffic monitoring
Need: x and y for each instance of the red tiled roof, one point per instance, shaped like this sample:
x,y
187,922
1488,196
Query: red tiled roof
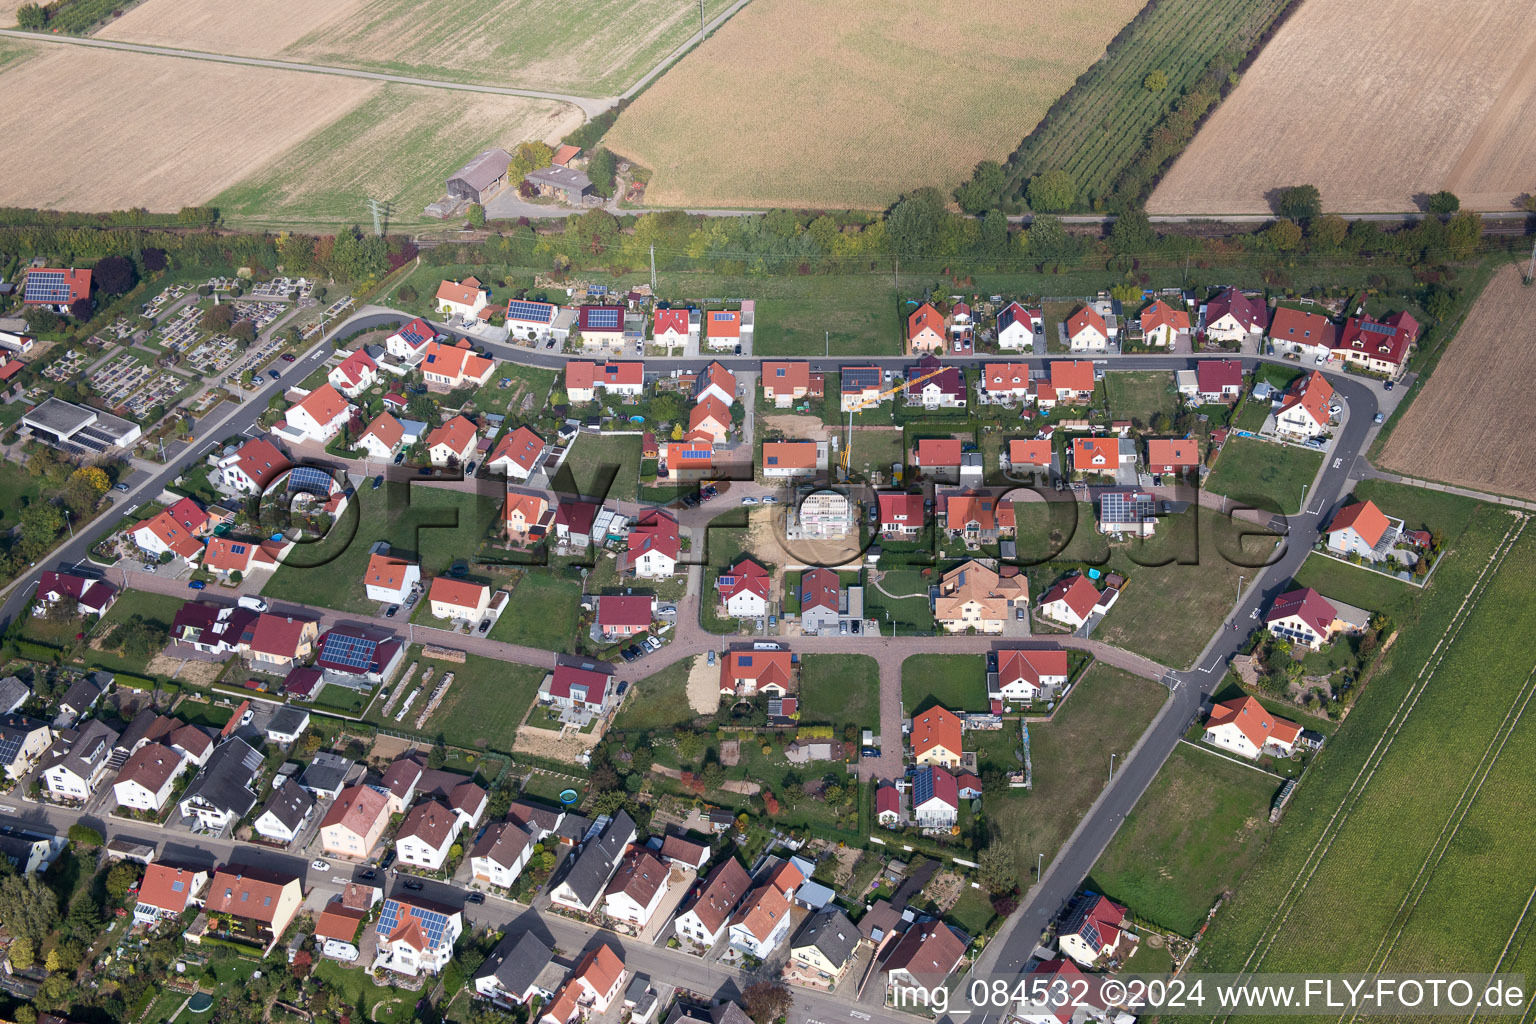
x,y
631,610
323,404
1179,452
1313,393
671,320
900,509
1250,313
338,921
819,588
522,446
722,890
785,378
167,888
1160,313
260,460
278,635
1095,454
1072,375
458,593
463,294
722,323
789,454
1085,318
655,531
1006,376
1214,375
1253,721
1079,594
458,434
924,317
1298,327
746,575
1307,605
933,452
386,571
244,895
356,808
1029,453
936,727
1366,519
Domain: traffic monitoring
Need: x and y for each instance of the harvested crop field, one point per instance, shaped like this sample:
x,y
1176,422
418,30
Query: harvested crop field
x,y
1375,104
399,144
793,104
258,28
1443,434
154,132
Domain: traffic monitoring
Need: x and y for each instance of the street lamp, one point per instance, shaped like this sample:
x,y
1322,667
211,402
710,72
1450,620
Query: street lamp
x,y
68,516
1111,767
1039,859
1240,579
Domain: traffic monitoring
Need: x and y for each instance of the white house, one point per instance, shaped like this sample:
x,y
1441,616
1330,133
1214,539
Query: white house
x,y
146,779
1016,327
319,415
464,298
74,773
1306,409
416,937
1358,529
1087,331
1234,317
251,467
935,798
762,922
654,545
518,970
637,889
1244,727
1303,617
704,919
409,343
426,834
744,589
500,854
286,813
1070,601
389,580
1094,929
1024,674
383,437
354,374
452,443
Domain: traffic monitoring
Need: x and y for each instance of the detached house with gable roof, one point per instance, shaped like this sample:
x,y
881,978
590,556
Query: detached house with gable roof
x,y
673,327
637,889
1070,601
1234,317
517,454
1094,930
936,737
166,891
705,915
1071,383
354,374
1306,410
972,596
901,515
458,599
743,589
1027,674
425,835
1308,336
355,822
501,853
654,545
1246,728
1307,618
178,529
593,866
447,367
1162,325
747,672
453,443
464,299
1017,327
252,466
584,379
389,579
1363,529
925,330
577,689
225,790
258,905
785,383
384,436
764,918
1004,384
89,596
1172,454
527,517
935,798
409,343
147,778
822,949
1087,331
319,415
520,969
1379,346
416,936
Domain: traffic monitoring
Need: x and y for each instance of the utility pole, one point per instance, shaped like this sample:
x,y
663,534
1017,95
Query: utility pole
x,y
701,20
380,211
653,267
1239,589
1530,269
826,343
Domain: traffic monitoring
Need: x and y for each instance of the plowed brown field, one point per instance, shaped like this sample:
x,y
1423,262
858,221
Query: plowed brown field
x,y
1376,104
1480,390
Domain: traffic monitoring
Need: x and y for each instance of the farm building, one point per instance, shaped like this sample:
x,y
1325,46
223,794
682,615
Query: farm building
x,y
563,183
481,178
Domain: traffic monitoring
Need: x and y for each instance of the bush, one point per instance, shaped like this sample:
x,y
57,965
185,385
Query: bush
x,y
405,293
84,835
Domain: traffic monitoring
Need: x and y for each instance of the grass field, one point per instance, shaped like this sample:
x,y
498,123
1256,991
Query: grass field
x,y
603,466
541,612
161,608
900,112
399,145
1139,395
434,526
1422,782
1106,714
1099,128
483,706
659,701
840,690
1436,437
905,614
1264,474
957,681
1194,833
1463,136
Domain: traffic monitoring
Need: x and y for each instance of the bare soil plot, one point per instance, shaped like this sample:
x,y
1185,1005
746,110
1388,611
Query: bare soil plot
x,y
154,132
1374,104
842,105
256,28
794,425
1444,435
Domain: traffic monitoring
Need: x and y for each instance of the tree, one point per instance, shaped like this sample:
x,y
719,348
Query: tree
x,y
1328,232
243,331
154,260
405,293
138,637
1439,301
689,746
984,189
114,275
1051,192
32,17
28,907
1156,81
23,954
121,878
1443,204
1132,234
1300,203
997,869
602,169
41,320
914,223
1463,232
217,318
667,407
41,522
84,488
83,308
713,775
1283,235
84,835
766,1001
476,215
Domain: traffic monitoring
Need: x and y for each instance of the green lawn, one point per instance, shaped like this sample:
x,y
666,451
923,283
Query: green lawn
x,y
659,701
874,452
1105,714
434,526
972,912
900,615
1194,833
1263,474
352,986
159,608
840,690
482,707
541,612
1252,415
603,466
957,681
1139,395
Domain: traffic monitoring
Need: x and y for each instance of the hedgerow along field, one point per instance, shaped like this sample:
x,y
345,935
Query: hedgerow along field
x,y
1404,848
843,105
1111,132
1336,65
1443,434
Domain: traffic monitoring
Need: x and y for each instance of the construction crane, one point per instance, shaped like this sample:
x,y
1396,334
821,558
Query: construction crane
x,y
882,396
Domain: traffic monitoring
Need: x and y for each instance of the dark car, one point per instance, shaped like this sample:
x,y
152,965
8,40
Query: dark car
x,y
119,487
469,470
368,876
289,357
413,885
1389,385
389,858
377,481
389,612
474,897
399,458
424,471
628,654
274,374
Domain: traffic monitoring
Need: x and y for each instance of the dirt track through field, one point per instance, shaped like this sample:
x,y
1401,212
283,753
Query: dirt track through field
x,y
1377,105
152,132
1447,433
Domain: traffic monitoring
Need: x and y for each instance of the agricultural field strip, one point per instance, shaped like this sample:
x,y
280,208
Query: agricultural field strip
x,y
1367,771
1452,826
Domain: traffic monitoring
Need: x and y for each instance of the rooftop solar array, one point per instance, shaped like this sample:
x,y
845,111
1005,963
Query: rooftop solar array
x,y
414,337
1120,507
310,479
354,652
601,317
723,316
395,913
534,312
50,286
1376,328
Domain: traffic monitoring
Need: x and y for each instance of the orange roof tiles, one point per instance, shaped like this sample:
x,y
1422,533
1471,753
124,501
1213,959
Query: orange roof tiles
x,y
458,434
1365,518
1072,375
936,727
1253,721
1178,452
458,593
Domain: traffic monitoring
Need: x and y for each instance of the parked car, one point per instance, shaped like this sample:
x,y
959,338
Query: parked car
x,y
289,357
389,858
120,487
273,374
483,627
469,470
770,500
424,471
413,885
710,660
319,865
377,481
1379,418
399,458
197,584
389,612
368,876
1389,385
475,898
749,501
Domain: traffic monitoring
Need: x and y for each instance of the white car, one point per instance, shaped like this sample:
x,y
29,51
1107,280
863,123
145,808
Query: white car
x,y
319,865
770,500
749,501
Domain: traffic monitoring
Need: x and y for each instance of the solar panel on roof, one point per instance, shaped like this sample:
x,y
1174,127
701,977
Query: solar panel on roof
x,y
309,479
431,922
602,318
351,651
538,312
47,286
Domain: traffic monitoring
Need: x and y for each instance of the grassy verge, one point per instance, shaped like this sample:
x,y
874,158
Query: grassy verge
x,y
659,701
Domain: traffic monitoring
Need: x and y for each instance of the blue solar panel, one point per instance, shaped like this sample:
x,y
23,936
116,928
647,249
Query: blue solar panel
x,y
47,286
602,318
433,924
1378,328
537,312
722,317
352,651
237,549
310,479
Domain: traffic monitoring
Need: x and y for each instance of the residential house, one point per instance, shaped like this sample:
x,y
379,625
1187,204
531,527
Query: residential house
x,y
1162,325
820,600
1004,384
764,917
1307,618
214,629
1248,729
390,579
785,459
785,383
1308,336
1070,600
926,955
934,386
859,387
936,737
259,905
500,854
72,773
973,597
1233,317
937,454
676,849
81,697
704,917
1104,456
527,517
250,468
13,694
901,515
594,984
355,822
514,973
452,443
1071,383
718,382
286,725
517,454
743,589
537,321
673,327
1127,513
165,892
409,343
285,815
325,774
1030,455
620,615
584,379
654,545
416,936
577,689
1218,380
277,642
193,744
710,420
458,599
1172,454
55,288
354,374
1027,674
449,367
1017,327
637,889
593,866
1363,529
925,330
935,798
1306,408
146,779
383,437
1087,331
178,529
1378,346
319,415
225,790
748,671
22,743
887,805
90,596
226,556
687,460
722,328
822,949
601,325
1094,930
338,922
464,299
979,517
425,835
